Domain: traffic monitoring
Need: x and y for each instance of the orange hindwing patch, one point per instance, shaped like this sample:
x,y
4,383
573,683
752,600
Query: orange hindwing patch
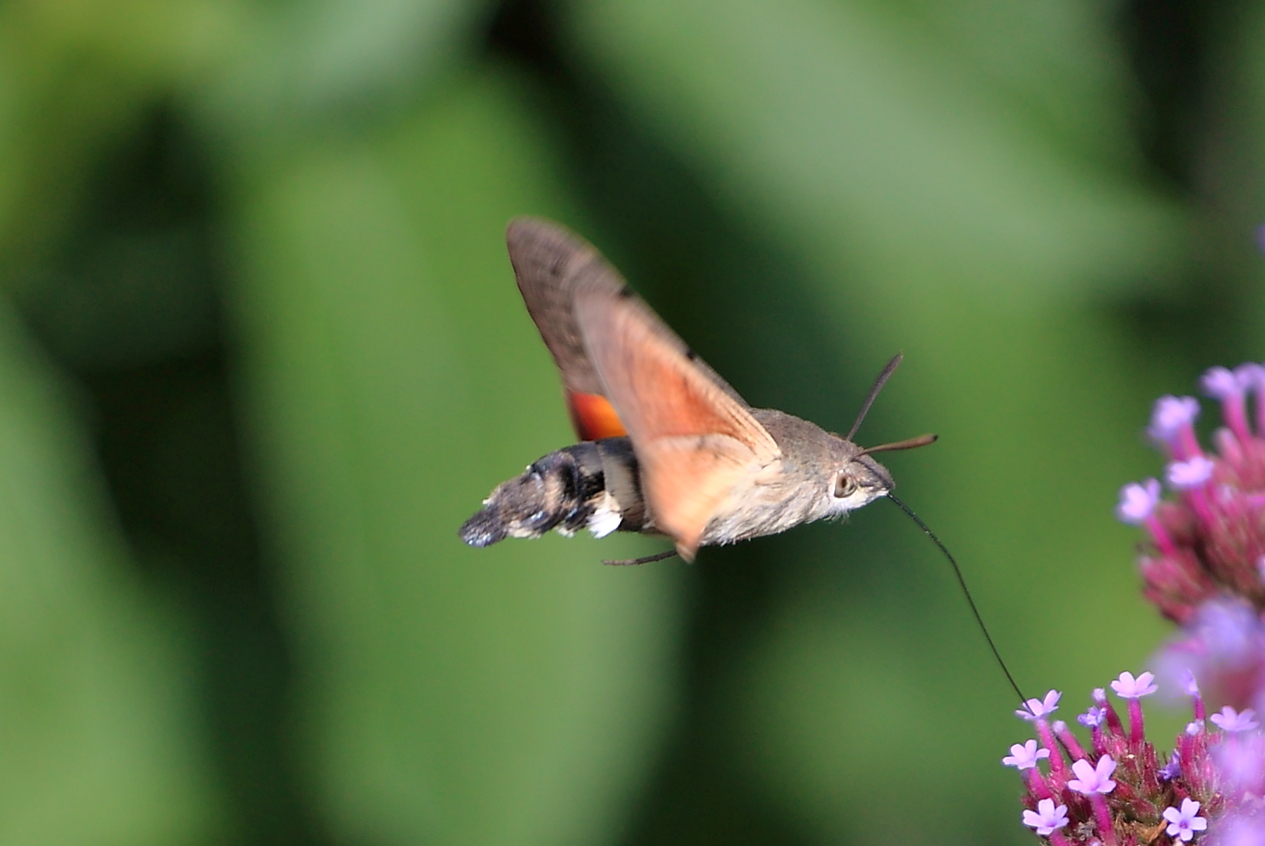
x,y
593,416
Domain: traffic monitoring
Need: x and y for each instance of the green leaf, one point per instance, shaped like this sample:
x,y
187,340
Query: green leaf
x,y
97,722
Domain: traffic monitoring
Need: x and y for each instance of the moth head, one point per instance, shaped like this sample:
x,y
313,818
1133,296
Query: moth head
x,y
859,481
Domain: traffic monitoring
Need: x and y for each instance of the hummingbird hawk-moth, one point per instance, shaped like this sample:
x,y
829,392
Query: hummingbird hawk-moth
x,y
667,446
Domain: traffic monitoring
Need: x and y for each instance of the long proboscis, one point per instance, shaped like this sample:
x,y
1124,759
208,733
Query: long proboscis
x,y
957,571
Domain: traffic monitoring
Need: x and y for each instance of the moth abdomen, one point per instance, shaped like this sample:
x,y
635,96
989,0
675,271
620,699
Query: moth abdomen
x,y
591,485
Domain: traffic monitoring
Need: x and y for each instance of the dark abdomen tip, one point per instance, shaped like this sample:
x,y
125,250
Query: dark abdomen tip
x,y
482,530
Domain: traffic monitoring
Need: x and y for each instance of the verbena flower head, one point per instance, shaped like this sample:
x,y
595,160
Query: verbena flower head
x,y
1205,564
1204,567
1116,791
1208,537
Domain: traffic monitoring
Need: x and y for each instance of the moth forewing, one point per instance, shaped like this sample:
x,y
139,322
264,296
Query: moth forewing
x,y
690,480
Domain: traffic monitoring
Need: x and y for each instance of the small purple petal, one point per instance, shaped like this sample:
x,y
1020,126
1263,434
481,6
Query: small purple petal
x,y
1025,756
1184,475
1127,687
1171,770
1230,720
1189,684
1046,818
1093,778
1171,414
1137,501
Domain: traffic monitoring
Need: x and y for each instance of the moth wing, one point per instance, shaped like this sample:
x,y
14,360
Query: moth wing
x,y
551,264
695,438
686,480
548,263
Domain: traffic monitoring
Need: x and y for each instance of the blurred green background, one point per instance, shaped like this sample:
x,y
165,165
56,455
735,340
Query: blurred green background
x,y
261,353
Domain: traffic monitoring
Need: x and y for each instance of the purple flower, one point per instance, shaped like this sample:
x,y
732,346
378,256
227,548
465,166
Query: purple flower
x,y
1230,720
1138,501
1046,818
1093,717
1025,756
1035,709
1171,415
1127,687
1092,778
1220,383
1171,770
1184,823
1194,473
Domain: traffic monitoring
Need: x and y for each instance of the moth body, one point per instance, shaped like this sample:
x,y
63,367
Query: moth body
x,y
596,485
669,447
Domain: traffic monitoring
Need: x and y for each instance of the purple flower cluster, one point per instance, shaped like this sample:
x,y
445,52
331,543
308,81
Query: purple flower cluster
x,y
1208,540
1117,790
1204,568
1205,564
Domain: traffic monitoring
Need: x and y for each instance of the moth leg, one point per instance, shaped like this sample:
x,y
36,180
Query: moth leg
x,y
645,559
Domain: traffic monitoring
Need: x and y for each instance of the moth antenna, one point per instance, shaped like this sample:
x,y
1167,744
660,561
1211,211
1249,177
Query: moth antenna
x,y
908,443
625,562
957,571
878,386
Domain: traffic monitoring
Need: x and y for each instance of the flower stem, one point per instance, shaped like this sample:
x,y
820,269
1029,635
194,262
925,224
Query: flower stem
x,y
1102,815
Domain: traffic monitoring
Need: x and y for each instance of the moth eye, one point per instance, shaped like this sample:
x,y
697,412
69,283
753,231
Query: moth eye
x,y
845,486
